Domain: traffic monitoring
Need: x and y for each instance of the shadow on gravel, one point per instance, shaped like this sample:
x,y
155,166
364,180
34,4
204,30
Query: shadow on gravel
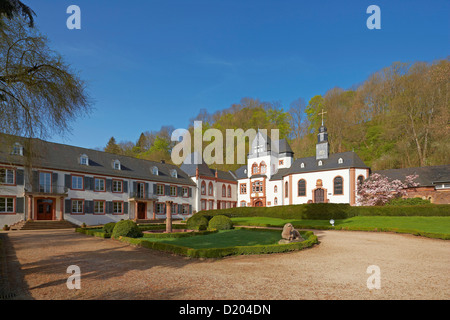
x,y
12,282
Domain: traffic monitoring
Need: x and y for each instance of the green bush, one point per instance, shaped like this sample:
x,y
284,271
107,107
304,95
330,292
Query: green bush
x,y
197,222
109,227
408,202
220,222
326,211
126,228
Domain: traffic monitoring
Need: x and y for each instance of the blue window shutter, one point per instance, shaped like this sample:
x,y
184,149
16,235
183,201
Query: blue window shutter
x,y
154,188
20,177
125,207
147,190
134,187
55,182
109,207
68,181
190,209
125,186
190,192
167,189
68,206
20,205
180,191
108,185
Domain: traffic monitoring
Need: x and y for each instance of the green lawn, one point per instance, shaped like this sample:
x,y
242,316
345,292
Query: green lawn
x,y
423,224
224,239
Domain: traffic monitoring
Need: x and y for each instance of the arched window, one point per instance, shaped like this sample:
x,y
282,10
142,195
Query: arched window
x,y
320,163
275,189
203,188
275,201
243,203
229,192
340,161
301,188
224,191
173,173
255,168
360,179
286,189
155,171
210,189
338,185
302,165
262,167
17,149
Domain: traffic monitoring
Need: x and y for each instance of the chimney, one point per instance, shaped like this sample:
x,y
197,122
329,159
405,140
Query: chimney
x,y
216,173
196,173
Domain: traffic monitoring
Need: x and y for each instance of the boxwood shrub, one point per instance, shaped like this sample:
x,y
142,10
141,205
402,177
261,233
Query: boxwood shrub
x,y
220,222
126,228
109,227
197,222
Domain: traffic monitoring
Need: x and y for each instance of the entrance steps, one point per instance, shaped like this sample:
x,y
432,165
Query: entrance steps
x,y
42,225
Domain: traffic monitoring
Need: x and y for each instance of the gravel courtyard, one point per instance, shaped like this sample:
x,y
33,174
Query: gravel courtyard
x,y
411,268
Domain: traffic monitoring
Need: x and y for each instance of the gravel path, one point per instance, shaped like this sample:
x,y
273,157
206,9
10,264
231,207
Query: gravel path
x,y
411,268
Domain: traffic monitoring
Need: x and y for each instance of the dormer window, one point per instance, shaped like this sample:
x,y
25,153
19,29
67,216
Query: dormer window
x,y
173,173
320,163
302,165
84,160
17,149
155,171
341,161
116,165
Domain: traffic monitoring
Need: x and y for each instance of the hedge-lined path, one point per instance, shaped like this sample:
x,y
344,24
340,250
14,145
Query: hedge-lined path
x,y
411,268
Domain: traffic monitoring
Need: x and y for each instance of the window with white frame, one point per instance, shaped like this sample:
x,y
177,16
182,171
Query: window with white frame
x,y
17,149
117,207
185,208
77,206
155,171
243,204
99,207
45,182
340,161
77,183
99,184
84,160
6,176
173,173
6,205
173,191
117,185
160,208
160,190
185,192
116,165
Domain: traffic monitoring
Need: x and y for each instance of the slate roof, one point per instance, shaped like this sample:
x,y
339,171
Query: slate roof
x,y
350,160
56,156
191,164
427,176
241,173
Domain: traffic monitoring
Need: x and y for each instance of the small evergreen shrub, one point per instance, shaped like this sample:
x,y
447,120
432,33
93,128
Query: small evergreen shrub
x,y
126,228
197,222
109,227
220,222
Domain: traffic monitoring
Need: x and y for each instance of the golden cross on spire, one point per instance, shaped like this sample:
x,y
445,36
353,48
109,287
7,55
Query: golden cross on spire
x,y
323,112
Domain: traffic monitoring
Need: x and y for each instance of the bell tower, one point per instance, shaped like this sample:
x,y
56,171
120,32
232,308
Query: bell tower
x,y
322,146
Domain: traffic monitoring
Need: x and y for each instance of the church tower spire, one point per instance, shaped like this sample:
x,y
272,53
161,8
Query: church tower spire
x,y
322,146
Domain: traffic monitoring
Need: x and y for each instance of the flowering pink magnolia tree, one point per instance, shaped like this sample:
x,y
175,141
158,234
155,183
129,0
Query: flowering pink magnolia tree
x,y
378,190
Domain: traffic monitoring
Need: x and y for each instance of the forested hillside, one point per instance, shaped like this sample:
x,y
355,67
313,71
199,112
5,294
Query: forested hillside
x,y
398,117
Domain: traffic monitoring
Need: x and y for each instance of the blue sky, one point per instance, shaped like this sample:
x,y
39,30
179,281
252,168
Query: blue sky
x,y
154,63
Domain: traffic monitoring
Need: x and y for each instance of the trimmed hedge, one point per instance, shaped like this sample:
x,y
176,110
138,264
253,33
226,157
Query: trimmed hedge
x,y
220,222
126,228
93,232
178,234
327,211
197,222
310,240
109,227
